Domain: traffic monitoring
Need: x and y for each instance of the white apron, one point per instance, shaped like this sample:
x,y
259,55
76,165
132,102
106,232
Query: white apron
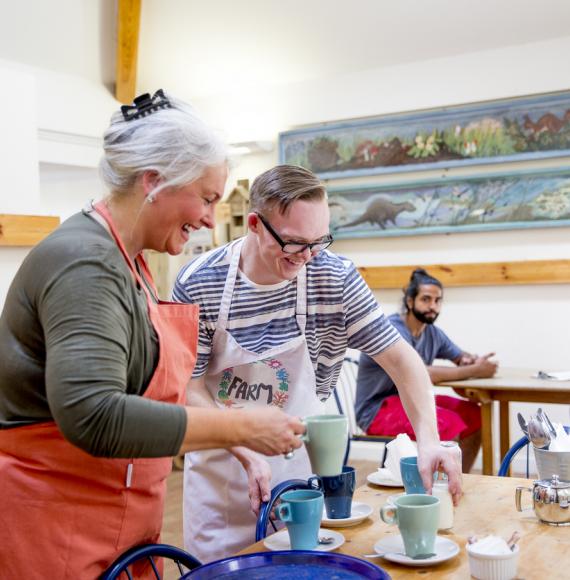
x,y
218,520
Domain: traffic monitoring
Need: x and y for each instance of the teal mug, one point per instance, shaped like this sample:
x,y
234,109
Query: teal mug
x,y
411,477
417,518
301,510
326,438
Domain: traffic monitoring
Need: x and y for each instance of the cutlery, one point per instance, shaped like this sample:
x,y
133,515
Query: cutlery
x,y
523,425
418,557
325,540
511,542
537,433
548,422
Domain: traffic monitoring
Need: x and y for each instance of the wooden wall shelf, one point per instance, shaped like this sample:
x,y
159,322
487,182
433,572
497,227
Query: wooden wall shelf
x,y
473,274
25,230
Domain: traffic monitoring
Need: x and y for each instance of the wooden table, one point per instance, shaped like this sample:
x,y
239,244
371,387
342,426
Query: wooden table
x,y
508,385
488,507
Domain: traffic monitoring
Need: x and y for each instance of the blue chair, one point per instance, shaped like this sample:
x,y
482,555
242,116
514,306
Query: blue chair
x,y
149,552
510,454
266,507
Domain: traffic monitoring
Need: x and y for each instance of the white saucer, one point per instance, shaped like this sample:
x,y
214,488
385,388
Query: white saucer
x,y
383,477
359,511
392,498
392,548
280,541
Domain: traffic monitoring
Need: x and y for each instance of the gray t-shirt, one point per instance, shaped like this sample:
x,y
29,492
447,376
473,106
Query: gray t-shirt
x,y
373,384
77,347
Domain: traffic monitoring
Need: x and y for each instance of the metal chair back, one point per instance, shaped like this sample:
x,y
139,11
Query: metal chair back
x,y
266,507
121,567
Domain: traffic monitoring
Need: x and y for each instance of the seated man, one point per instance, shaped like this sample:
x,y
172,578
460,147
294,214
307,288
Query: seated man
x,y
378,407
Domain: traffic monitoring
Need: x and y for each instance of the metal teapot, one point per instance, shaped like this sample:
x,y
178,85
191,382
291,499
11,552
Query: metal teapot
x,y
550,500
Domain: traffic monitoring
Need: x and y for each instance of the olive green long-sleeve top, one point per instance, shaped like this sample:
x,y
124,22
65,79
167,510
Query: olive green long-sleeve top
x,y
77,347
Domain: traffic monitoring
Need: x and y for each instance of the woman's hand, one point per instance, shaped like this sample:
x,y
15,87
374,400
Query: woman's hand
x,y
269,431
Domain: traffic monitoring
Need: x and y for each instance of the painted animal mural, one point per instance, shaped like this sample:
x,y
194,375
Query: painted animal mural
x,y
380,212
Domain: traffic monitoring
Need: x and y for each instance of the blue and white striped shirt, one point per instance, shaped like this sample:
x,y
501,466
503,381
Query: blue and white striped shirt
x,y
341,312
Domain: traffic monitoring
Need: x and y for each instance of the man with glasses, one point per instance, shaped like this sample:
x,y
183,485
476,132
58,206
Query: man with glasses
x,y
277,313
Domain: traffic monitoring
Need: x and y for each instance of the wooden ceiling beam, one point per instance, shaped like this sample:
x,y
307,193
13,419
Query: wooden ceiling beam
x,y
128,25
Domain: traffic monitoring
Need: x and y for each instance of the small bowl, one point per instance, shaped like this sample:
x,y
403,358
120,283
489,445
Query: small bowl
x,y
493,567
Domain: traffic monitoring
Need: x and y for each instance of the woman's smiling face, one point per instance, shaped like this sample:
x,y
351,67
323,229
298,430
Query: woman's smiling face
x,y
178,211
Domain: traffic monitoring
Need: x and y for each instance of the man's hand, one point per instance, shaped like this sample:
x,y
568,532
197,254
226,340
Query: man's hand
x,y
433,457
483,368
466,358
258,476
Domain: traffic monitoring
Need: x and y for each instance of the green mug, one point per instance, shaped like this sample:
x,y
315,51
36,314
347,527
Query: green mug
x,y
326,438
417,517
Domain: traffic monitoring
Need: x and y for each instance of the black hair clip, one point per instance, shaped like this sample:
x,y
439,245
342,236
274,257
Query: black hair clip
x,y
144,105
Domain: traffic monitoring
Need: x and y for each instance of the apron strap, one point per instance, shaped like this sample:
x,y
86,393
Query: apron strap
x,y
102,215
302,309
229,285
301,306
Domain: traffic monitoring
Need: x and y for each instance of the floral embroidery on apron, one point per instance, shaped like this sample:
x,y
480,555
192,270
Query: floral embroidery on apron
x,y
271,388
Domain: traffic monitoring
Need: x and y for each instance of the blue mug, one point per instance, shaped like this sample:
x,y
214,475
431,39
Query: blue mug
x,y
301,510
411,477
338,491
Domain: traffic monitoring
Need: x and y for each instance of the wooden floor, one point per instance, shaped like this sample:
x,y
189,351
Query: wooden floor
x,y
172,525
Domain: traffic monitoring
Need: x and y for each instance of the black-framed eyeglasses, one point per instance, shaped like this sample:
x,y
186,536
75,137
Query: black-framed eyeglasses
x,y
296,247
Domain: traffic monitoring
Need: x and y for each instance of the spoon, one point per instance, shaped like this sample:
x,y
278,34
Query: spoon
x,y
544,417
326,540
523,425
537,433
417,557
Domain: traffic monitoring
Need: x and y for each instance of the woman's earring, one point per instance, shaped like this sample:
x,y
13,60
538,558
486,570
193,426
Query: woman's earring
x,y
150,198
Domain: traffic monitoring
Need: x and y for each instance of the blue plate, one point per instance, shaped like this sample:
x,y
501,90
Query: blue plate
x,y
289,565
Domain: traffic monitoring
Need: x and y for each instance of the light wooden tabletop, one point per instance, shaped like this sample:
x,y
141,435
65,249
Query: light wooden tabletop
x,y
512,379
487,507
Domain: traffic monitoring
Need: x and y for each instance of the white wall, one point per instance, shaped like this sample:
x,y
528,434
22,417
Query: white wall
x,y
527,326
56,119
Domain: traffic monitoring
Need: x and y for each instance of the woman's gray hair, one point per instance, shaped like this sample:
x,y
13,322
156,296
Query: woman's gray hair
x,y
175,142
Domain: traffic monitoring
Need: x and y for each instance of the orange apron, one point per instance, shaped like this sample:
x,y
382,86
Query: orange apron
x,y
67,514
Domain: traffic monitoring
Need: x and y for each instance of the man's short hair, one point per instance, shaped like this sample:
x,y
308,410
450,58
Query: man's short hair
x,y
281,185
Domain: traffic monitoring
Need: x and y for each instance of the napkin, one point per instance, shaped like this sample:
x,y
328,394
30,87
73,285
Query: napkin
x,y
490,546
401,446
554,376
562,440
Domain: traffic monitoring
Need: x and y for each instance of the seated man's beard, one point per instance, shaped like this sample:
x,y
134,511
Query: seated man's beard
x,y
425,317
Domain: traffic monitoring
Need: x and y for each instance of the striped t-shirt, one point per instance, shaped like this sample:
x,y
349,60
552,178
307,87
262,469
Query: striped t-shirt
x,y
341,312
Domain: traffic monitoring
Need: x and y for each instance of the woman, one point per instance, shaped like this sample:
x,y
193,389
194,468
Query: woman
x,y
94,366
